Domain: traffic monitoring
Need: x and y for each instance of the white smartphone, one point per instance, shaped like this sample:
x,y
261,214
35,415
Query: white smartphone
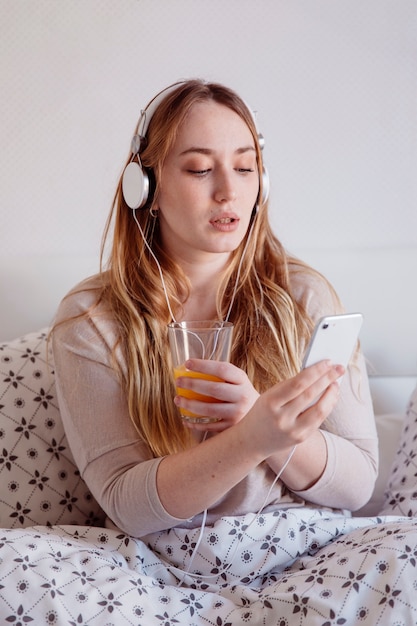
x,y
334,338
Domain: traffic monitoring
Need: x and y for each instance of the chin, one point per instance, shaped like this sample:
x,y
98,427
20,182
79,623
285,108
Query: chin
x,y
229,249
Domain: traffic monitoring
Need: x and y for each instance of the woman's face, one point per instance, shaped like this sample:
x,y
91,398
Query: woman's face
x,y
209,185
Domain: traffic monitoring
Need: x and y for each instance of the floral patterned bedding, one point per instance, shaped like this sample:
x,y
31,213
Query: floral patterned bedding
x,y
284,568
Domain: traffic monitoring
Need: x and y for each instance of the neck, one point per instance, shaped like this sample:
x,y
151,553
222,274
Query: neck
x,y
199,309
205,280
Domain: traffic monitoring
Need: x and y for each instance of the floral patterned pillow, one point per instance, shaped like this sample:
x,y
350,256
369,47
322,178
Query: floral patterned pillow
x,y
39,482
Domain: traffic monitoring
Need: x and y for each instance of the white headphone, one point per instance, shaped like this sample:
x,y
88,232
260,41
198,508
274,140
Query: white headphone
x,y
135,180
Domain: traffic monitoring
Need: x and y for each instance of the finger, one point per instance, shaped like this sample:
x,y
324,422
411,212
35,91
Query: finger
x,y
221,369
220,391
320,386
322,367
323,406
292,398
301,388
211,410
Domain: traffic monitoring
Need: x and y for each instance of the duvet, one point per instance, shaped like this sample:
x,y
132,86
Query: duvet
x,y
298,566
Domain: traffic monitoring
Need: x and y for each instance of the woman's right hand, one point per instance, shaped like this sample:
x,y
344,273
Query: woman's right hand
x,y
291,411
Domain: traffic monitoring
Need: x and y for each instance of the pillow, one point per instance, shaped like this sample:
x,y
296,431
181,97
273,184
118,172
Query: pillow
x,y
39,482
389,427
401,491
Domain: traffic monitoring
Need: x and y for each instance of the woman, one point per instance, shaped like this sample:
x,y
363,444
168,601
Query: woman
x,y
198,246
240,520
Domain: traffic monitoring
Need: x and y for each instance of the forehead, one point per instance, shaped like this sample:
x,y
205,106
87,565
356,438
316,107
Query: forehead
x,y
210,124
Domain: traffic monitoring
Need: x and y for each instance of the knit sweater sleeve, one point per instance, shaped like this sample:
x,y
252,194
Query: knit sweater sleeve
x,y
350,431
116,464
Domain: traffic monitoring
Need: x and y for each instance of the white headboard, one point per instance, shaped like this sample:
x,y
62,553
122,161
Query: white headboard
x,y
378,282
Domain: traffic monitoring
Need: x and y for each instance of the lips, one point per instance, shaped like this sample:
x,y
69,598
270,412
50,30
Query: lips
x,y
225,223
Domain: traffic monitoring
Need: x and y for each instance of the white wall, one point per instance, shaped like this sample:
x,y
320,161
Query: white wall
x,y
334,84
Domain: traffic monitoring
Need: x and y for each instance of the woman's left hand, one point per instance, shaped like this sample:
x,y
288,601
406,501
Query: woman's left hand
x,y
233,395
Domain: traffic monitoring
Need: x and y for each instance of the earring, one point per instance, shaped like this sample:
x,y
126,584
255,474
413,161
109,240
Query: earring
x,y
153,213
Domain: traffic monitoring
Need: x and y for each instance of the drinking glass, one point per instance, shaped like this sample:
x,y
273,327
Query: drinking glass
x,y
200,340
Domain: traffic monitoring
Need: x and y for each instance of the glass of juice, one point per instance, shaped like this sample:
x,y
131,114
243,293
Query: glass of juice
x,y
199,340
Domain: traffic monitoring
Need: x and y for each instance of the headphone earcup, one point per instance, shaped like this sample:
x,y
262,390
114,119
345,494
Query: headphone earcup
x,y
135,185
265,185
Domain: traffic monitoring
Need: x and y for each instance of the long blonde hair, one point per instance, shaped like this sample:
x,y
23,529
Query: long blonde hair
x,y
269,323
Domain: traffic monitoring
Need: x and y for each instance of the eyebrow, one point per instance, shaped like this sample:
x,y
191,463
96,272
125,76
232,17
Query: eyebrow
x,y
208,151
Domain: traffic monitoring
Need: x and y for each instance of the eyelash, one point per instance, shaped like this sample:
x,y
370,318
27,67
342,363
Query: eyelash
x,y
241,170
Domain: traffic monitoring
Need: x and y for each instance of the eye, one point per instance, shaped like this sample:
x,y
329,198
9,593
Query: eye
x,y
198,172
246,165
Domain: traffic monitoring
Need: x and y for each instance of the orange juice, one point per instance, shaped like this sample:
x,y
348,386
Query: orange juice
x,y
181,370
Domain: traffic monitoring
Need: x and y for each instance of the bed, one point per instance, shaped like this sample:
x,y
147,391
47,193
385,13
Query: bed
x,y
60,563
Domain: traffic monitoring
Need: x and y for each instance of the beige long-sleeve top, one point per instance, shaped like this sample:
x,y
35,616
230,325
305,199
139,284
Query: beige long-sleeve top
x,y
119,468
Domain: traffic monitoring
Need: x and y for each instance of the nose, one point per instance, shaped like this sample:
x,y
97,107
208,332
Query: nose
x,y
225,189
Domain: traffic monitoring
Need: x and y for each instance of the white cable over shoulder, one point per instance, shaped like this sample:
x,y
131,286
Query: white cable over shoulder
x,y
157,264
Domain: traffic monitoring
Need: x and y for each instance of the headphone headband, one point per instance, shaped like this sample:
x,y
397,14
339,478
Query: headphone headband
x,y
147,114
